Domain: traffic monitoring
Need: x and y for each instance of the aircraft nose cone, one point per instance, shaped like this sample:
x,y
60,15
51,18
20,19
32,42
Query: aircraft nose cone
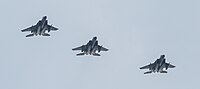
x,y
45,17
162,56
95,38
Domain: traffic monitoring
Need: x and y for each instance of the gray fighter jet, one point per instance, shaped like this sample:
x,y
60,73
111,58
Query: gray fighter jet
x,y
90,48
158,66
40,28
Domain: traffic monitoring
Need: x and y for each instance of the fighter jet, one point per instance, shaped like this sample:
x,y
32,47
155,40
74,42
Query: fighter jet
x,y
158,66
40,28
90,48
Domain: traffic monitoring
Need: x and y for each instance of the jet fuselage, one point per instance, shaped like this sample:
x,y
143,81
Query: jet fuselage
x,y
94,42
41,27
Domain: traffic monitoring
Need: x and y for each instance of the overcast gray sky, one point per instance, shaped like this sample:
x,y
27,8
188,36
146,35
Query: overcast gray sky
x,y
136,32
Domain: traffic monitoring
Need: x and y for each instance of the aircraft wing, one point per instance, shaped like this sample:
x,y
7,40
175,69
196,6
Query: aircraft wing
x,y
50,27
104,49
29,29
170,65
101,48
79,48
145,67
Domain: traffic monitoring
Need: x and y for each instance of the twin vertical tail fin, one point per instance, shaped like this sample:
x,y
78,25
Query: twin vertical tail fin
x,y
81,54
30,35
148,72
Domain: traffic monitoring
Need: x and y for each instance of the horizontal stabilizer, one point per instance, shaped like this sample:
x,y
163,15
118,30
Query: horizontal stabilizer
x,y
148,72
29,35
45,34
163,71
80,54
96,54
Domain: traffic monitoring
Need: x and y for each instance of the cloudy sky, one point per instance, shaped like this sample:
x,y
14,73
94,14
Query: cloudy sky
x,y
136,32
